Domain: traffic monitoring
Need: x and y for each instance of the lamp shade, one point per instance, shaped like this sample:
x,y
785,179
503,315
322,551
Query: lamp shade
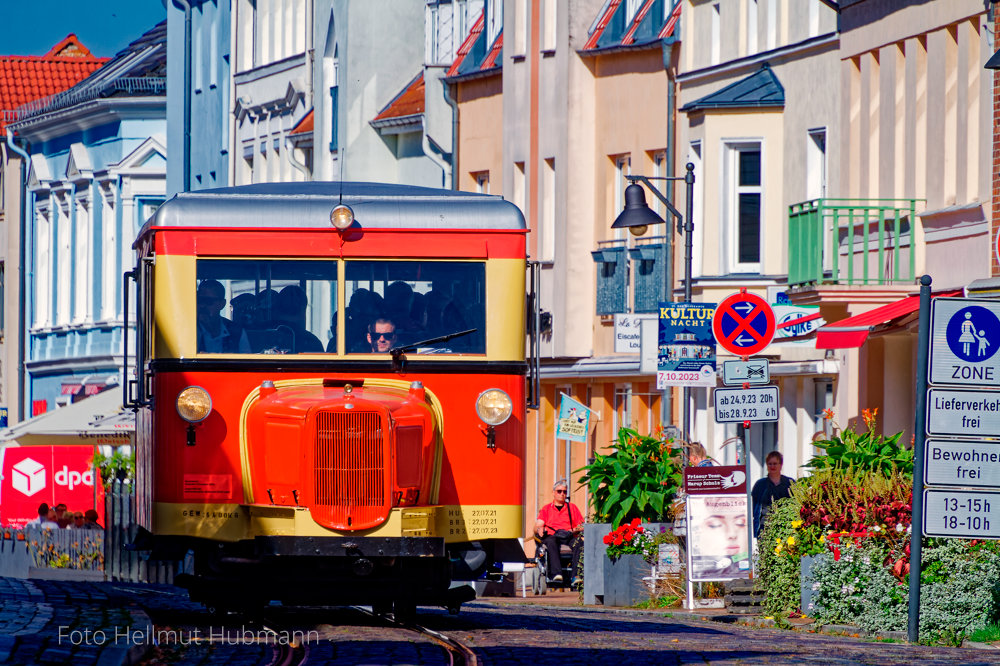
x,y
636,213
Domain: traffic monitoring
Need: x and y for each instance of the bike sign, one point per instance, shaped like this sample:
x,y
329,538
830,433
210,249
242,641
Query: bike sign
x,y
743,324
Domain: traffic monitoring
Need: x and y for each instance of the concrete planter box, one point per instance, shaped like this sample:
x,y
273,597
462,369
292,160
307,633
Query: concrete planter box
x,y
808,595
623,580
595,554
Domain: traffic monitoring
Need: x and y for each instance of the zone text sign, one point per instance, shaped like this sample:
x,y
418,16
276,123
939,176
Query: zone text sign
x,y
954,413
966,514
752,404
952,462
965,338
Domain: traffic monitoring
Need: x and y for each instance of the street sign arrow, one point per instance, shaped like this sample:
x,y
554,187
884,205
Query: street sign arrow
x,y
744,324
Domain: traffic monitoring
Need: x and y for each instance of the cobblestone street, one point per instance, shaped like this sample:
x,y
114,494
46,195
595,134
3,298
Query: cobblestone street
x,y
38,617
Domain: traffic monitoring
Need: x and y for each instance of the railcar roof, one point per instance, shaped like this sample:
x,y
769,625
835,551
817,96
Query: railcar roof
x,y
308,205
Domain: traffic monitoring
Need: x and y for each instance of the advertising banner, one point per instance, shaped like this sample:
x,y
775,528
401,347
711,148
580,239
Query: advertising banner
x,y
726,480
574,420
50,474
718,543
686,345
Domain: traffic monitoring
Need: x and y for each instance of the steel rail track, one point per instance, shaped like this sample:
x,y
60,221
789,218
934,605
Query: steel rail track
x,y
459,654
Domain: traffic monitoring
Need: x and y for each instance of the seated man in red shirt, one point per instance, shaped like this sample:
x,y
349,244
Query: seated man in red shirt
x,y
560,523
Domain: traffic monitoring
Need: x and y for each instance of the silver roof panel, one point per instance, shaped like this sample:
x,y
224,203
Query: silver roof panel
x,y
308,206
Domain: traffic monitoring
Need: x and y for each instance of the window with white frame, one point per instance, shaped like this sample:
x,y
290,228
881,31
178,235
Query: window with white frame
x,y
43,267
109,270
547,230
716,45
744,206
482,179
63,262
82,265
549,25
623,167
494,19
520,26
518,191
816,164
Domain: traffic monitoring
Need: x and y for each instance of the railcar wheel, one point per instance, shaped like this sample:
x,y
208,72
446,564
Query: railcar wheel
x,y
405,612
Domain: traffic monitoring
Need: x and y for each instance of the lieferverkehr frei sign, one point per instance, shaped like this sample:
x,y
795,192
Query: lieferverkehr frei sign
x,y
957,413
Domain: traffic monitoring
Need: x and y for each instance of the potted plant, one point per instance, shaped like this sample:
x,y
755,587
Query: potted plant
x,y
626,564
637,479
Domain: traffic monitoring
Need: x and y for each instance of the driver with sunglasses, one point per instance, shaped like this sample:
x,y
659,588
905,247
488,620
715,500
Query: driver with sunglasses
x,y
560,523
382,335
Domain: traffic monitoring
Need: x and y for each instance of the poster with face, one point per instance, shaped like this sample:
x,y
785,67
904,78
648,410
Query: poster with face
x,y
717,537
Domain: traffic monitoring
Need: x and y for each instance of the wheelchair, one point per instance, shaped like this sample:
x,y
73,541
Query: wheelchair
x,y
542,582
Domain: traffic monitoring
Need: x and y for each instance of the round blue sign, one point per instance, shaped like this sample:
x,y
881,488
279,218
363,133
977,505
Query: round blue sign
x,y
973,334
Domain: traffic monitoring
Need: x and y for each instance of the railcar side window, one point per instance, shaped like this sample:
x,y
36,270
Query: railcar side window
x,y
393,303
266,306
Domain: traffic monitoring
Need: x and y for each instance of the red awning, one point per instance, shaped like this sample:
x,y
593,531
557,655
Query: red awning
x,y
853,331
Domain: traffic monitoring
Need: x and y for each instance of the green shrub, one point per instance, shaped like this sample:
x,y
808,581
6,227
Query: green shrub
x,y
864,451
638,479
778,561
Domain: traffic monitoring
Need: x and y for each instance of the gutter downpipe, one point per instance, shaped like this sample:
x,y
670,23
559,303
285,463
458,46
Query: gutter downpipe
x,y
667,407
299,166
445,165
186,6
453,103
21,274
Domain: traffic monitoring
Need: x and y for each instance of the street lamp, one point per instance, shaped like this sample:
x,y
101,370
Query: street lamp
x,y
637,217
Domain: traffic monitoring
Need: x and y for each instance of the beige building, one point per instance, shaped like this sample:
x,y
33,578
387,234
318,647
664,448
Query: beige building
x,y
759,107
915,108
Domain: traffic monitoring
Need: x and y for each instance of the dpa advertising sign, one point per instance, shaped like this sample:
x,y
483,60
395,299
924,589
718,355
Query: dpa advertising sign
x,y
50,474
686,354
574,420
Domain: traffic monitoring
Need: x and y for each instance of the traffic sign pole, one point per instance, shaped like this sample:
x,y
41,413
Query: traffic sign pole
x,y
919,432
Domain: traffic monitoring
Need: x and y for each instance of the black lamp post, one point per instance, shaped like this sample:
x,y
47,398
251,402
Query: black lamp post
x,y
637,216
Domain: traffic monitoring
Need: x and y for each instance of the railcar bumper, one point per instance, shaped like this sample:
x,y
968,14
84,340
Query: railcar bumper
x,y
350,546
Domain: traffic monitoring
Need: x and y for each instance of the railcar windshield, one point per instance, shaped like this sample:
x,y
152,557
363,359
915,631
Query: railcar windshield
x,y
267,306
395,303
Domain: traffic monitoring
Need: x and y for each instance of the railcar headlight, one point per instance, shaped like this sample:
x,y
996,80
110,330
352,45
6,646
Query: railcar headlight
x,y
494,406
194,404
341,216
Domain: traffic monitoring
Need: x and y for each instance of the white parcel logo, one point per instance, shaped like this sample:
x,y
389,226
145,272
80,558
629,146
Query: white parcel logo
x,y
29,476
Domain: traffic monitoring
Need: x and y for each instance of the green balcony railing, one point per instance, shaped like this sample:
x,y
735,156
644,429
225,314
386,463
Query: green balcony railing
x,y
851,241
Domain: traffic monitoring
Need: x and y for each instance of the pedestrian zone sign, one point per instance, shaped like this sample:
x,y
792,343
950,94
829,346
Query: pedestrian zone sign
x,y
965,338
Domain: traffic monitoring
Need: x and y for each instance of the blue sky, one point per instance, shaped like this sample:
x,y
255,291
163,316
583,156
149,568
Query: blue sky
x,y
32,27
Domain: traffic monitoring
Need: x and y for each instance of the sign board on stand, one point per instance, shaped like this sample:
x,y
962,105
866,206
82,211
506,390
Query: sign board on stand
x,y
965,338
966,514
755,371
963,413
744,324
949,462
686,347
752,404
628,328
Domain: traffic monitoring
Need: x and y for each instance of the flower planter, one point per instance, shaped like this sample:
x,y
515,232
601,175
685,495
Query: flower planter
x,y
594,557
623,584
806,565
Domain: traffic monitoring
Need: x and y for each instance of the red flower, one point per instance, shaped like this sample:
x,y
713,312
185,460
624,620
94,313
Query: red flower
x,y
635,523
618,540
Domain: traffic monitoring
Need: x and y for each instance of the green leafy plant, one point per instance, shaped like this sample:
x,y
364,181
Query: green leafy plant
x,y
778,558
118,465
863,450
638,479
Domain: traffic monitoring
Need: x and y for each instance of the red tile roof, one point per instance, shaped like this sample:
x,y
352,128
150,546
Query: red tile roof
x,y
410,102
27,78
304,126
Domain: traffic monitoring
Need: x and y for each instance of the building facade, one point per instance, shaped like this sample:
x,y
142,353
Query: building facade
x,y
97,172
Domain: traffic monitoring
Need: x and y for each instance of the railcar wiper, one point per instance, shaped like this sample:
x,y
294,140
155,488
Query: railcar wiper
x,y
397,352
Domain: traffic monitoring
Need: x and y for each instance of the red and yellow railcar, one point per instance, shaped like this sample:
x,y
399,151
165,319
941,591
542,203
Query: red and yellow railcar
x,y
330,385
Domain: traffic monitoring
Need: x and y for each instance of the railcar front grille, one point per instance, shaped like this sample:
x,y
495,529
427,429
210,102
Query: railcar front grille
x,y
351,491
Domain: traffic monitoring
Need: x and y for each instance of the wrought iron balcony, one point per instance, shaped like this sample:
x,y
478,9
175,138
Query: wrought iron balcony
x,y
851,242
